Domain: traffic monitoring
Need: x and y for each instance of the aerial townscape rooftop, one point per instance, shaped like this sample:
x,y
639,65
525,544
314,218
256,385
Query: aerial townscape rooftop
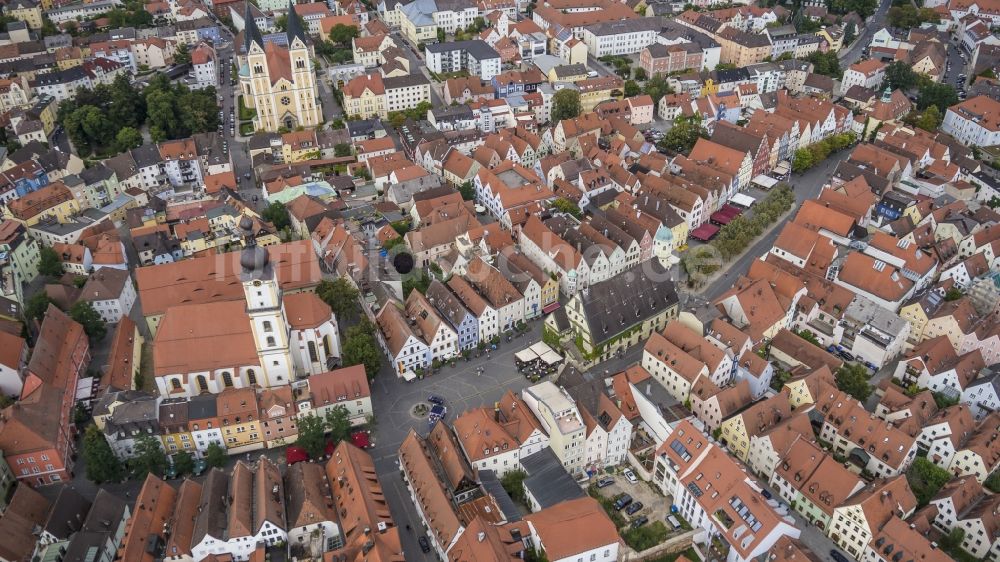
x,y
499,280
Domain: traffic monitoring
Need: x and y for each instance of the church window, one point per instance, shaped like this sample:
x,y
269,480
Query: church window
x,y
300,63
176,383
202,384
312,352
285,100
267,326
251,376
227,379
270,341
258,69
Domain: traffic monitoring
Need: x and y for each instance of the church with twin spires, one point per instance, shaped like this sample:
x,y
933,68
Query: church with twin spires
x,y
277,77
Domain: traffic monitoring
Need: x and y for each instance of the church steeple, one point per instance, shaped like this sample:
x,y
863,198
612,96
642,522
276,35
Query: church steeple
x,y
251,34
294,25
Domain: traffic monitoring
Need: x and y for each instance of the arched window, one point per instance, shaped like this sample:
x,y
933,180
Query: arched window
x,y
202,384
251,376
327,348
312,352
227,379
270,341
175,383
267,326
300,63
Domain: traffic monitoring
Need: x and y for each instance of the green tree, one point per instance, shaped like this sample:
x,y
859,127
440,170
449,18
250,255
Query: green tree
x,y
182,55
93,325
826,64
941,95
360,348
341,150
953,294
183,463
513,484
566,206
441,37
640,74
215,455
930,119
127,138
149,457
809,337
338,423
992,482
101,462
342,35
36,306
48,28
656,87
281,22
312,435
850,33
853,379
685,132
905,16
49,263
864,8
565,104
341,295
900,76
803,160
468,191
632,88
127,107
277,214
925,479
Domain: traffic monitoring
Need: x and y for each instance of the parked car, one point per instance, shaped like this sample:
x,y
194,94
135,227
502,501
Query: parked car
x,y
766,494
838,556
846,356
634,507
622,501
605,481
630,476
438,412
435,399
425,546
640,522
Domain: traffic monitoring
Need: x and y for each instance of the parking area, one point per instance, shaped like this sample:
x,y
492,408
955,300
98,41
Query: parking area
x,y
654,506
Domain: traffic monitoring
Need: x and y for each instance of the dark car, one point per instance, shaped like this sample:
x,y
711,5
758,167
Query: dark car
x,y
766,494
438,412
605,481
846,356
424,545
435,399
836,555
633,507
622,501
640,522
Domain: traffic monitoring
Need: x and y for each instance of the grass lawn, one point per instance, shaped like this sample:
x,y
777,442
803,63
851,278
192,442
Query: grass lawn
x,y
246,129
245,113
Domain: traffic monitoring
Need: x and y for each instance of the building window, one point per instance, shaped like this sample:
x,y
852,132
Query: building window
x,y
267,326
251,376
227,379
270,341
312,352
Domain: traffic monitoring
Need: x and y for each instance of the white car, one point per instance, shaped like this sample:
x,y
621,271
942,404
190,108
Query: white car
x,y
630,476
